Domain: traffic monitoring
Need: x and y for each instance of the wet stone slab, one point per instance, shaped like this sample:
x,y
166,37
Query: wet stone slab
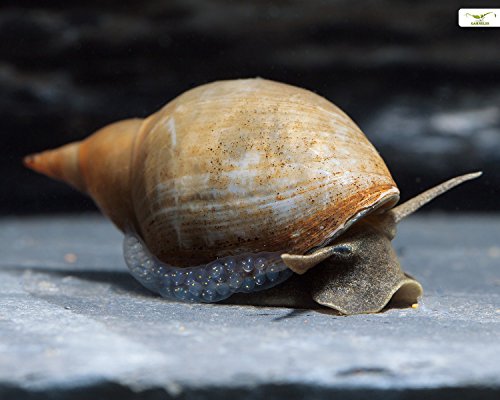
x,y
74,324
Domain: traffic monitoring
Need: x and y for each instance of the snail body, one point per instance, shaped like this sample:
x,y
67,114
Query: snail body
x,y
230,187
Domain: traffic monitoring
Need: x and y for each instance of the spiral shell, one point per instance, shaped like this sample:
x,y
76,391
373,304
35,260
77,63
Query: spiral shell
x,y
248,166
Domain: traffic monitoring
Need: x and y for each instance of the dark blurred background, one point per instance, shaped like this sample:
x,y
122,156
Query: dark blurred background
x,y
426,92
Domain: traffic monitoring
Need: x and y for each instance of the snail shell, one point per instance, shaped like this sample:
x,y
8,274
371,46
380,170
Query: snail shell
x,y
226,171
247,166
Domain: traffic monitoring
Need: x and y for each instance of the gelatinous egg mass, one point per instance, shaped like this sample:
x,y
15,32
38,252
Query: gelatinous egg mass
x,y
207,283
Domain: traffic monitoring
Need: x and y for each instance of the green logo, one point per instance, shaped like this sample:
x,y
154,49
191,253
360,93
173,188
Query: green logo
x,y
479,18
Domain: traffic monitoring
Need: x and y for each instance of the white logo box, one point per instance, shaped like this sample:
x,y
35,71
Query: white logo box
x,y
479,17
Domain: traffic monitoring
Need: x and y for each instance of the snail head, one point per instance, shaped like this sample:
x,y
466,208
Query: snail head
x,y
367,240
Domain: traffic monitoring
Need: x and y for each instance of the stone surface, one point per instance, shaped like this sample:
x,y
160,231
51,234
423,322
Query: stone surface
x,y
74,324
425,91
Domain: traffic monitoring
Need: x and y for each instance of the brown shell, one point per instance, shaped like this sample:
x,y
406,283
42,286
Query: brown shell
x,y
227,168
251,165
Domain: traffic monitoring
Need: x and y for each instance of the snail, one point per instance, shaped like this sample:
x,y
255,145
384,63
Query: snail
x,y
480,17
236,186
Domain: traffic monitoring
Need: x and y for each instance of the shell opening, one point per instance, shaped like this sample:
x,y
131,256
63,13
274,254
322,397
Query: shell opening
x,y
207,283
301,263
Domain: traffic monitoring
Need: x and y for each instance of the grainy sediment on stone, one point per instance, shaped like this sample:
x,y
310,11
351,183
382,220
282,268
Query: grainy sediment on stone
x,y
73,321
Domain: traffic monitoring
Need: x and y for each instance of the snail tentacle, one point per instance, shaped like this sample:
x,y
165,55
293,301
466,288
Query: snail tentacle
x,y
207,283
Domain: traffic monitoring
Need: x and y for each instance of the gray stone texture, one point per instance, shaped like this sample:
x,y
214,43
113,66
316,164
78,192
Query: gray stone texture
x,y
75,324
425,91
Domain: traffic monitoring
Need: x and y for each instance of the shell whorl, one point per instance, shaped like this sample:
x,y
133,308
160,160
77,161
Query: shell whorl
x,y
247,166
99,166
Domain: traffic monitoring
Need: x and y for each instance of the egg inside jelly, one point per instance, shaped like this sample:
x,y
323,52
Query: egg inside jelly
x,y
207,283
